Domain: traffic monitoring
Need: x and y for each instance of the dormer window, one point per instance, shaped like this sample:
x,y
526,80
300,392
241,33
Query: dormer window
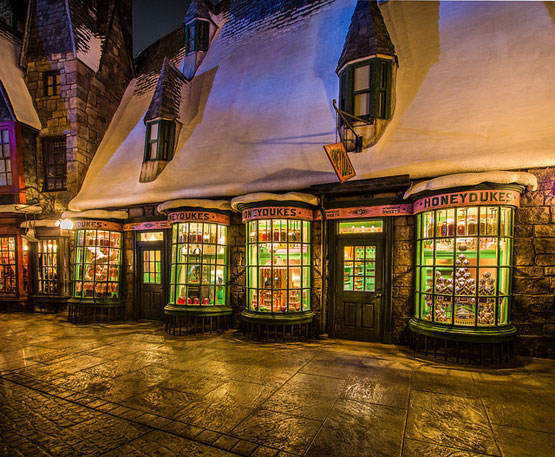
x,y
160,140
196,36
365,89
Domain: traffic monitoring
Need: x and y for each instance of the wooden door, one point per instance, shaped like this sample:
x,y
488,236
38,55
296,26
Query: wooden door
x,y
358,298
151,278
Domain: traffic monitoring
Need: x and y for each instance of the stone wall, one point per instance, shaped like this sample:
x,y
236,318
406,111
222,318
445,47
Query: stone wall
x,y
87,100
237,277
402,284
533,307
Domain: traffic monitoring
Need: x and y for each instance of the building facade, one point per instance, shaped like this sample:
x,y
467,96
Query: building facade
x,y
211,200
66,65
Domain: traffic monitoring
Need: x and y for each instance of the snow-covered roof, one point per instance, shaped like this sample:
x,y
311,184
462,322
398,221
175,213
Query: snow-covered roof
x,y
473,179
11,77
474,92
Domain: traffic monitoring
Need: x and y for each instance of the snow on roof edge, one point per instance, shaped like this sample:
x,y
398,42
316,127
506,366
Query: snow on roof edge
x,y
195,203
267,196
96,213
473,179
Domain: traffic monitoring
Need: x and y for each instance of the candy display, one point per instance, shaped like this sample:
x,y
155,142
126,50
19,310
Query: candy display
x,y
97,264
199,264
278,265
464,265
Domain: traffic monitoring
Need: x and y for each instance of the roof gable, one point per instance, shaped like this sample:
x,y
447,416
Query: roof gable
x,y
166,101
367,34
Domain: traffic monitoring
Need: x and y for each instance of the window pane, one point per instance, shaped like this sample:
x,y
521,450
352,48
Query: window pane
x,y
362,78
361,104
375,226
154,131
472,270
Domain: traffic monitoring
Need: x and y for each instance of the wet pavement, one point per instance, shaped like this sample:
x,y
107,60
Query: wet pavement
x,y
129,389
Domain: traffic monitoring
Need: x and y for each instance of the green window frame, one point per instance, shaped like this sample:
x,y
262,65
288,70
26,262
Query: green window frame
x,y
160,140
196,36
198,274
365,89
464,266
278,265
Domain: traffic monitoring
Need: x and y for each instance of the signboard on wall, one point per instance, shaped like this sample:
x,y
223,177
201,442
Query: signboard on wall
x,y
369,211
96,225
152,225
468,198
277,212
198,216
340,161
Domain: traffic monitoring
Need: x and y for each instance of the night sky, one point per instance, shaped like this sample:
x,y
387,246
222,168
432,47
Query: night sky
x,y
154,19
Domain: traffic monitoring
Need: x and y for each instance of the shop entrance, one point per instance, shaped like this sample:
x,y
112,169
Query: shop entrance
x,y
151,274
358,305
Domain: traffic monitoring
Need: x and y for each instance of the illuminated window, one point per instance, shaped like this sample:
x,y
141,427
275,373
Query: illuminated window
x,y
199,264
464,265
278,265
5,158
96,267
8,270
358,226
47,268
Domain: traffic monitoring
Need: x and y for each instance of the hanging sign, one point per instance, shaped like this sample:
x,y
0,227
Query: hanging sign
x,y
340,161
97,225
277,212
369,211
152,225
468,198
198,216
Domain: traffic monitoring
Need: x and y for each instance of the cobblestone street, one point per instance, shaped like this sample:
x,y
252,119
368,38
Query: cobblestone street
x,y
130,389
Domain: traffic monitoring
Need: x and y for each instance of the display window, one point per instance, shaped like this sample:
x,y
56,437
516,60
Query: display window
x,y
8,265
97,260
47,266
464,265
278,265
198,275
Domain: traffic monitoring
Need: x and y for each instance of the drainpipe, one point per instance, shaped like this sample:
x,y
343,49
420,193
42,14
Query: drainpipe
x,y
323,270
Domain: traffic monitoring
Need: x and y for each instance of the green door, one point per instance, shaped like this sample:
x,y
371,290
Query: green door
x,y
358,291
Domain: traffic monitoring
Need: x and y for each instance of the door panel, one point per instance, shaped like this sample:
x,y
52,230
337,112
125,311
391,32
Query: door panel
x,y
151,277
358,297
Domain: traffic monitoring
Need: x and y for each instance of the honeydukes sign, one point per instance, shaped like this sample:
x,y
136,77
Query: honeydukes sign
x,y
468,198
340,161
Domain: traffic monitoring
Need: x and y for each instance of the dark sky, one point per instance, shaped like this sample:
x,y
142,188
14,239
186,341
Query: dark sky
x,y
152,19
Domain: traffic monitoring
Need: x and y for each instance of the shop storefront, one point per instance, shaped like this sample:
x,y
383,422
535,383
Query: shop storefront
x,y
278,263
48,265
96,269
464,261
199,266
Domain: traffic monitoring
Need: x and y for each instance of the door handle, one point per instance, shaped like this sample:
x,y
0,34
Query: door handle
x,y
378,295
